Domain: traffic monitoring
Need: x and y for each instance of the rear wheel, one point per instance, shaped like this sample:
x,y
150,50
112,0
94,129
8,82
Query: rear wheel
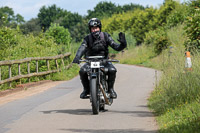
x,y
94,96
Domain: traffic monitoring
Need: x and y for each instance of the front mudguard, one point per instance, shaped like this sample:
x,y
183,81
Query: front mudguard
x,y
93,75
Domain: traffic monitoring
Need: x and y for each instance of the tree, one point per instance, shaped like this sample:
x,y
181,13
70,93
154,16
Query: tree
x,y
102,9
129,7
70,20
31,26
165,10
79,31
193,25
54,14
19,19
107,9
7,17
48,15
8,12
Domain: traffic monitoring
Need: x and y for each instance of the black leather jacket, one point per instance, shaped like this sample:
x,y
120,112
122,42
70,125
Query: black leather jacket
x,y
94,50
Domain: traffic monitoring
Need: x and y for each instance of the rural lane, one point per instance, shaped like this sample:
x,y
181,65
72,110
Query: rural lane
x,y
60,110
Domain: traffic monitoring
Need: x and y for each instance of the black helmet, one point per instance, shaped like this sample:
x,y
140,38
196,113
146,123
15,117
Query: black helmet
x,y
94,22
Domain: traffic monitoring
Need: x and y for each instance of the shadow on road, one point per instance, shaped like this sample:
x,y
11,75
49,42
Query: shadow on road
x,y
134,113
107,131
70,111
89,112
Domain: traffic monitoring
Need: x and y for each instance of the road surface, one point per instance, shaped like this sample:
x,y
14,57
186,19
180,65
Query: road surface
x,y
60,110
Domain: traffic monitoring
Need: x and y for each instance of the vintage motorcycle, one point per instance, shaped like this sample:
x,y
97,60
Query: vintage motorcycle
x,y
97,75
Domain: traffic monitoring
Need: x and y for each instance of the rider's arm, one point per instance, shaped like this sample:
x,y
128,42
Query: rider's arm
x,y
81,51
115,45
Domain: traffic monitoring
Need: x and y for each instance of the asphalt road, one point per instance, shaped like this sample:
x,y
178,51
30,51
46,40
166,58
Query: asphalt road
x,y
60,110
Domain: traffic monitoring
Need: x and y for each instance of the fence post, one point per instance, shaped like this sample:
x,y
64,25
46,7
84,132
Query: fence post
x,y
36,66
19,72
28,74
28,67
0,73
56,63
48,66
63,62
10,74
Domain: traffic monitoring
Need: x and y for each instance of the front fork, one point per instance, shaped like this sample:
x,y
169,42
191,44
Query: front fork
x,y
95,73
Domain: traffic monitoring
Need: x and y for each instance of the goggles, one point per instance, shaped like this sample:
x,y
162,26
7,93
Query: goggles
x,y
93,24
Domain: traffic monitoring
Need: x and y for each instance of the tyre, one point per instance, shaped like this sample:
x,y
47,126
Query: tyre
x,y
94,96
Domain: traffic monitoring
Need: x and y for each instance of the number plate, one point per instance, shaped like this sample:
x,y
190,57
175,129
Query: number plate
x,y
95,64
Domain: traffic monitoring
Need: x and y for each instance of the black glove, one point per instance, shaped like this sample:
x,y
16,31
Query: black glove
x,y
76,60
122,39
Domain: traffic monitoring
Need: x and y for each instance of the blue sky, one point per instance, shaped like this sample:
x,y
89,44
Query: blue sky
x,y
30,8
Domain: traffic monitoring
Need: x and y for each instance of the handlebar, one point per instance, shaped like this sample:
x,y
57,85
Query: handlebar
x,y
108,60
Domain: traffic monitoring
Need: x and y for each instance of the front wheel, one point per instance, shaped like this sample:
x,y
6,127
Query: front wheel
x,y
94,95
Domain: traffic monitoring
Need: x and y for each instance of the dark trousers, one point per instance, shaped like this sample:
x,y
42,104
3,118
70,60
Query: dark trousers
x,y
84,77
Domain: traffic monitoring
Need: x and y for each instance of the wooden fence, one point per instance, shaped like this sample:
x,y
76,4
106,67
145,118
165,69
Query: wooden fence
x,y
9,63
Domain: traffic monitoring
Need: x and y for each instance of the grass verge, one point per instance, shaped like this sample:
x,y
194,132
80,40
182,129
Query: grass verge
x,y
66,74
176,100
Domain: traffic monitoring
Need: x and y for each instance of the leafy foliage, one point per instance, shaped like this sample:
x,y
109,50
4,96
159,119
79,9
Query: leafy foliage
x,y
8,18
8,39
70,20
137,22
32,26
164,11
193,25
158,39
79,31
48,15
54,14
60,34
178,15
107,9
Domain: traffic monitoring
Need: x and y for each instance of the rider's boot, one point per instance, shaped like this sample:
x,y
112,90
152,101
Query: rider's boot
x,y
85,82
113,94
86,90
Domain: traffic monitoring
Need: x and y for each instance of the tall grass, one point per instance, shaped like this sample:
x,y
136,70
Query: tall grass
x,y
176,98
136,55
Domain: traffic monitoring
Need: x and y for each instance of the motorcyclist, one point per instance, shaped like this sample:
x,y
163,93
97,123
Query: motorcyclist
x,y
96,44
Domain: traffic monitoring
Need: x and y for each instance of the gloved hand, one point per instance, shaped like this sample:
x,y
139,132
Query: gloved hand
x,y
76,60
122,39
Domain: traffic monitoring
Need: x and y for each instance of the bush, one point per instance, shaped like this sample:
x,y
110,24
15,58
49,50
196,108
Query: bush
x,y
60,34
8,39
178,15
193,25
158,39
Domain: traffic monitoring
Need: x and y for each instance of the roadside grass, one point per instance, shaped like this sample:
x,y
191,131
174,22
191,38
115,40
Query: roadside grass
x,y
66,74
176,99
47,49
136,55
